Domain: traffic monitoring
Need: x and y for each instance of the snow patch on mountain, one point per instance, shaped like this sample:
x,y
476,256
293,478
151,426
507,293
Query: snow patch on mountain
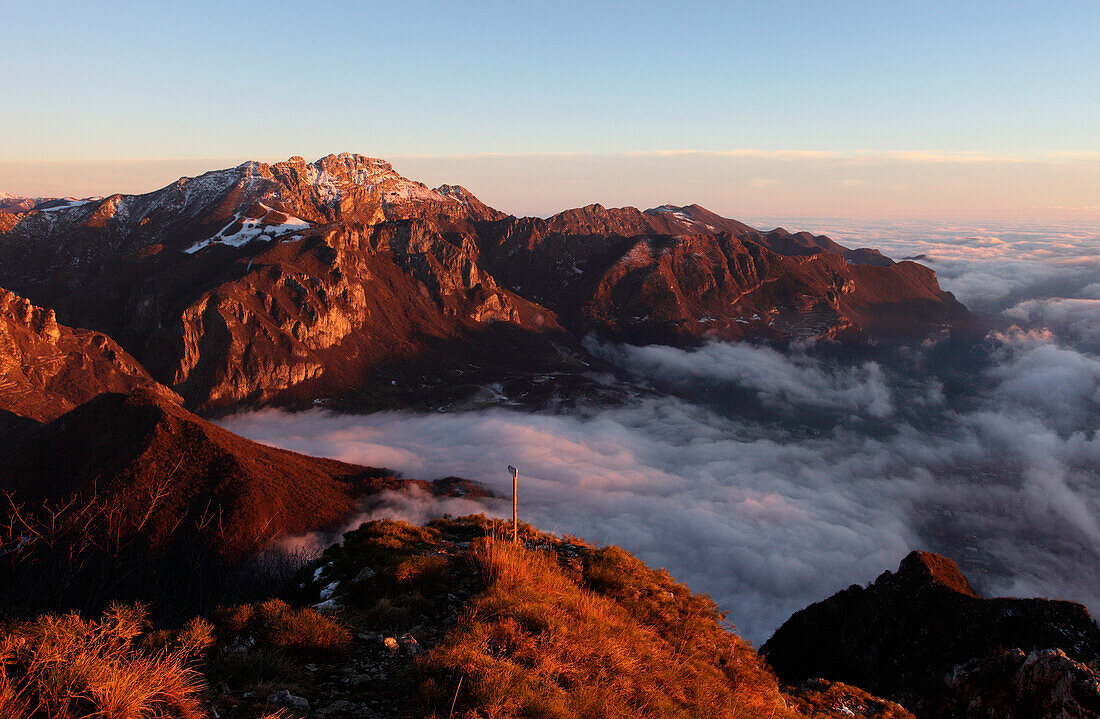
x,y
678,214
67,203
242,230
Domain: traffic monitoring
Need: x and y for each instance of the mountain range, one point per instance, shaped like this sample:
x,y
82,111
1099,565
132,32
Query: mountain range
x,y
338,280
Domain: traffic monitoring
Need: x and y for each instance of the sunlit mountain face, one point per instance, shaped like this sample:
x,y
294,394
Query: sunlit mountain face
x,y
771,475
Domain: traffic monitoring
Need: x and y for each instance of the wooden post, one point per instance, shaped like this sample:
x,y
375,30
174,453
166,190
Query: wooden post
x,y
515,505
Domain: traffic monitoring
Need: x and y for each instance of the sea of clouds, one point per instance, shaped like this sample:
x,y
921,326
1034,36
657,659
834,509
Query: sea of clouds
x,y
769,511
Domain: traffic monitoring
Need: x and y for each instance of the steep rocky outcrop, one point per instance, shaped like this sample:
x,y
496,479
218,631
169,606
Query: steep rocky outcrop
x,y
46,368
923,636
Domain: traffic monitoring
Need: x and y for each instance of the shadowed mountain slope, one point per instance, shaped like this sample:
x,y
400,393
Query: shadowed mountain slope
x,y
132,497
161,468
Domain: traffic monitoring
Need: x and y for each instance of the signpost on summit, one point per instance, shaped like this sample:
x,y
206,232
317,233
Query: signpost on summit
x,y
515,514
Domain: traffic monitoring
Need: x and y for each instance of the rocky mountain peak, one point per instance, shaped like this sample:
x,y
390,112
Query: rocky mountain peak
x,y
923,637
456,192
347,167
354,160
352,184
926,567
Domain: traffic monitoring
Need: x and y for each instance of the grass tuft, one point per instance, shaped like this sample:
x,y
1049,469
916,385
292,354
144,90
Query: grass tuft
x,y
67,667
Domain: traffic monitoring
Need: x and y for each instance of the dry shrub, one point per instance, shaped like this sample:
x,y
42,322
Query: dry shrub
x,y
67,667
192,640
276,623
538,644
408,578
262,643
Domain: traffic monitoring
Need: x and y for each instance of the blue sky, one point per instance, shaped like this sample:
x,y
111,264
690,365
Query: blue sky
x,y
112,81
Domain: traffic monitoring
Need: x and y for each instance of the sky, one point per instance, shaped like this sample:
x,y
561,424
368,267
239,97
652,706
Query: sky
x,y
868,109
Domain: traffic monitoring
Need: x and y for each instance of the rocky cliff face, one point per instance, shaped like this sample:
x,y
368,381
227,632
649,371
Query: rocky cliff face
x,y
314,316
1015,684
336,279
46,368
922,636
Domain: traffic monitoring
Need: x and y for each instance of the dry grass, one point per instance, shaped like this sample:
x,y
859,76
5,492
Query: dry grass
x,y
428,571
275,623
408,577
67,667
380,544
632,643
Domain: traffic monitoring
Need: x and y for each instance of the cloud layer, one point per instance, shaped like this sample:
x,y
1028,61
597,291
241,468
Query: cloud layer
x,y
767,521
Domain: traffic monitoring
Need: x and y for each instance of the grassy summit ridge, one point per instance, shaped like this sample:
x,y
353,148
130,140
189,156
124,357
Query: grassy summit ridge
x,y
603,636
